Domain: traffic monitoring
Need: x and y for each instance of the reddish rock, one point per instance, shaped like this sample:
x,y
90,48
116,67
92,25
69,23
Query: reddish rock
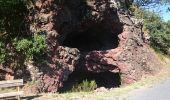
x,y
54,74
122,47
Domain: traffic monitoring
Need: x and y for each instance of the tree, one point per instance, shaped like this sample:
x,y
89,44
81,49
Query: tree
x,y
157,29
125,3
12,16
141,3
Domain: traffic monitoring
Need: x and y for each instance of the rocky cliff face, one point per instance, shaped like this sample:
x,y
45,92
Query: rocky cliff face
x,y
90,35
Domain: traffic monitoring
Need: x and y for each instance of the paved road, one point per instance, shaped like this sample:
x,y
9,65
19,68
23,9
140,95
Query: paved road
x,y
158,92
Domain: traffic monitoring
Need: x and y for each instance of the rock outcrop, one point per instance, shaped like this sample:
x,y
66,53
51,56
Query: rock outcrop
x,y
55,73
90,35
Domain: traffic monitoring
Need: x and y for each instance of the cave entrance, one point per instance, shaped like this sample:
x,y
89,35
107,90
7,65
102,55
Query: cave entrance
x,y
103,79
100,36
93,38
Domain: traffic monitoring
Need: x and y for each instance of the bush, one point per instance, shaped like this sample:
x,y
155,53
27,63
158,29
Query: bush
x,y
158,30
160,35
85,86
32,48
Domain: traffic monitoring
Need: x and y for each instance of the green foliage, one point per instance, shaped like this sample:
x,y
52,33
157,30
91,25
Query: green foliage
x,y
13,31
2,52
12,17
31,48
141,3
159,32
85,86
10,5
160,38
2,29
125,3
156,28
150,3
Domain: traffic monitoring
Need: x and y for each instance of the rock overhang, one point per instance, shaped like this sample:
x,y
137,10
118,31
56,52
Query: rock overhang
x,y
121,45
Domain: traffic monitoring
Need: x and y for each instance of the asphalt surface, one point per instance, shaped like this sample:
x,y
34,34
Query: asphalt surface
x,y
159,91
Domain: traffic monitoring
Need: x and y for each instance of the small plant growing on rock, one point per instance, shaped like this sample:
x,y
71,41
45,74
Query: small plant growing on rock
x,y
33,47
85,86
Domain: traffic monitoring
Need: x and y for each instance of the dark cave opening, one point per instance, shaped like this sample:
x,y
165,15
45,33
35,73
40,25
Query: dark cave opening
x,y
94,38
103,79
98,37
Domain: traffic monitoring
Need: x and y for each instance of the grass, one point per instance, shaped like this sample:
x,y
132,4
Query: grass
x,y
85,86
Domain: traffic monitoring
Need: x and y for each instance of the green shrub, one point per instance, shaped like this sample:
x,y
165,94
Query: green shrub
x,y
158,30
31,47
85,86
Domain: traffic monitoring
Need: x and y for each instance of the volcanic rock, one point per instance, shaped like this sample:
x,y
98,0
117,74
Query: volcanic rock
x,y
90,35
